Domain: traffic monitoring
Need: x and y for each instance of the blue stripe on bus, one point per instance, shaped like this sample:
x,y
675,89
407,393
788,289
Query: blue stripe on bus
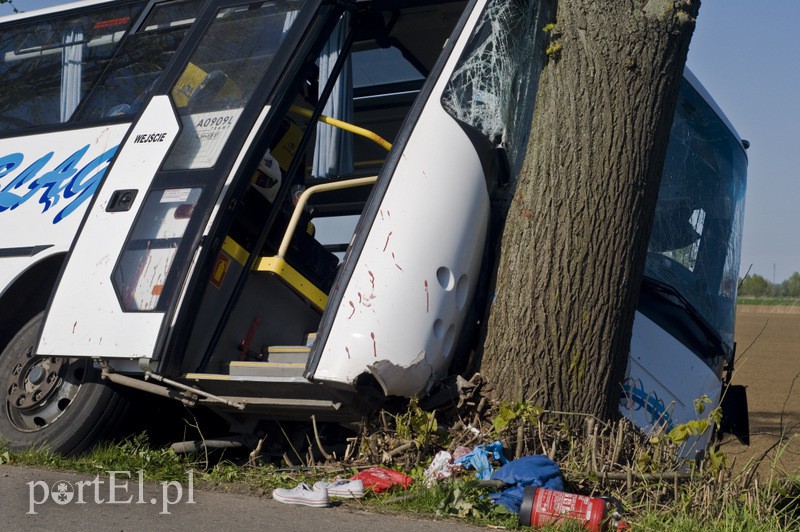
x,y
70,183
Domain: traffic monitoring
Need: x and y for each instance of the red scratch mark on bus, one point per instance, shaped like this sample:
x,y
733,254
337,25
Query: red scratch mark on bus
x,y
374,345
395,263
354,310
347,350
360,298
387,240
389,214
427,298
372,279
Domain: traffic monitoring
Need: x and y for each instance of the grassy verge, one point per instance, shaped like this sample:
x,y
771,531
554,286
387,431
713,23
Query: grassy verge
x,y
695,506
162,464
130,455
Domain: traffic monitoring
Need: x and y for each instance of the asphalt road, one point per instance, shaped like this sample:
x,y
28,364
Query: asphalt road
x,y
34,499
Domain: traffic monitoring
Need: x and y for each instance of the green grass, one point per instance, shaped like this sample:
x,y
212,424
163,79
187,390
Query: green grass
x,y
773,507
129,455
732,520
776,508
769,301
163,464
460,498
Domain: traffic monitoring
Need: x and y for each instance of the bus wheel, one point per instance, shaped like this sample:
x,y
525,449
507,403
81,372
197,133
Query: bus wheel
x,y
55,403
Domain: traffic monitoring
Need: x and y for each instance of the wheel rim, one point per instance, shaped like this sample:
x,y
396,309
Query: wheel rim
x,y
40,389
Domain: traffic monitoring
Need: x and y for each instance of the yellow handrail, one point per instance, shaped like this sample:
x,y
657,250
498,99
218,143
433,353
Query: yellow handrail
x,y
366,133
301,203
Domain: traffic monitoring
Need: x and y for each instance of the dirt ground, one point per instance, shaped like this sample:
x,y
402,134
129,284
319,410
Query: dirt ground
x,y
768,363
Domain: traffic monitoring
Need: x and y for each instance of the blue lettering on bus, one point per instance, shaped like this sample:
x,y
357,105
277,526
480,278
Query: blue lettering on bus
x,y
68,181
635,397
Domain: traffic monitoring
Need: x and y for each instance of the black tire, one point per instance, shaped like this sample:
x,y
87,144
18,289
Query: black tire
x,y
54,403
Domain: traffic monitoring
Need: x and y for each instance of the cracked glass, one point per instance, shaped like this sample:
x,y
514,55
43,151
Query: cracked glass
x,y
696,233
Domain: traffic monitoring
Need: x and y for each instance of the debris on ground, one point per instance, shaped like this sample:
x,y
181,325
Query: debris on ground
x,y
380,479
302,494
441,467
478,459
535,470
342,488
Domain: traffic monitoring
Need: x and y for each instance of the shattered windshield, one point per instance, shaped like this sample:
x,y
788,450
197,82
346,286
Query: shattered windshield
x,y
493,87
697,230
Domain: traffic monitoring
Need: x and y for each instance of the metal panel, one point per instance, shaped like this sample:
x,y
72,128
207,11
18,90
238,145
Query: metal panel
x,y
88,319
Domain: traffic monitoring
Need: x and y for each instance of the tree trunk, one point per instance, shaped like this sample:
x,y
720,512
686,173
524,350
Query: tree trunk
x,y
575,240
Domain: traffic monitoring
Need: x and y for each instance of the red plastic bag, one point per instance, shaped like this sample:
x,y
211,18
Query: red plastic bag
x,y
381,479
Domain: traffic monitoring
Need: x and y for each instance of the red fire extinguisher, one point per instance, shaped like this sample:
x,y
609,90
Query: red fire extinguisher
x,y
542,507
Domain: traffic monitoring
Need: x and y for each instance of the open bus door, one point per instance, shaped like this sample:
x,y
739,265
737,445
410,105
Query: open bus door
x,y
144,232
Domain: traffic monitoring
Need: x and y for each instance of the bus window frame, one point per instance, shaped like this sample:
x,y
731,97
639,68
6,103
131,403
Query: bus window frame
x,y
138,28
64,15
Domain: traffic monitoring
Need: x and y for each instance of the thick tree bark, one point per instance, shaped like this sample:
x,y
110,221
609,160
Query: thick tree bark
x,y
575,239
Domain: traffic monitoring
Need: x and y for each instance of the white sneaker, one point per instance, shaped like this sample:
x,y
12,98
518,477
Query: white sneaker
x,y
341,487
302,494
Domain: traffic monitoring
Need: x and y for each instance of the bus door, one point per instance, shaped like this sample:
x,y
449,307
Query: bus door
x,y
143,235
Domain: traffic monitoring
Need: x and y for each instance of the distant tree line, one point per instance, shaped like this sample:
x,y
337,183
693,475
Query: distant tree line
x,y
757,286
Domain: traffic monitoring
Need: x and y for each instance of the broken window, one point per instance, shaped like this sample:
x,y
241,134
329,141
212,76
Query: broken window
x,y
696,231
493,87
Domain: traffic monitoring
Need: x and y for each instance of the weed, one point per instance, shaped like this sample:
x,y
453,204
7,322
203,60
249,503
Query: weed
x,y
509,412
417,425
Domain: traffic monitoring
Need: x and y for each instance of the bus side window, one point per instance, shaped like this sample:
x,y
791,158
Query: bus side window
x,y
136,69
48,65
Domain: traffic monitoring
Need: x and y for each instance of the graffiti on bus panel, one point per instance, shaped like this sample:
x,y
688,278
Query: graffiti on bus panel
x,y
66,184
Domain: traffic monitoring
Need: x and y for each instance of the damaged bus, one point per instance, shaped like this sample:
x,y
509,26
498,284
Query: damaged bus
x,y
282,208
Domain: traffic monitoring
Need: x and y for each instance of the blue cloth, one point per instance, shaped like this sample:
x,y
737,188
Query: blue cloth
x,y
478,459
534,470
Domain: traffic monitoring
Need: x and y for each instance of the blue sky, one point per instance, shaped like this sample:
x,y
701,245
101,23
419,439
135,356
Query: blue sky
x,y
745,53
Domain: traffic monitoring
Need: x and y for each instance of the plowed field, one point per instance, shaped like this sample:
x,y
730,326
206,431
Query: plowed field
x,y
768,363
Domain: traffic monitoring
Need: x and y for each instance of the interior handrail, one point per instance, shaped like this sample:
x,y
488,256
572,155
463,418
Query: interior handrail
x,y
357,130
303,200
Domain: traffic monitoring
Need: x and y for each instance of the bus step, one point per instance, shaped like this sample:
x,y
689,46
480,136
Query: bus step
x,y
286,354
266,369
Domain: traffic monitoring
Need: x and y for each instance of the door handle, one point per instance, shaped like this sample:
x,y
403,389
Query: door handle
x,y
121,200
